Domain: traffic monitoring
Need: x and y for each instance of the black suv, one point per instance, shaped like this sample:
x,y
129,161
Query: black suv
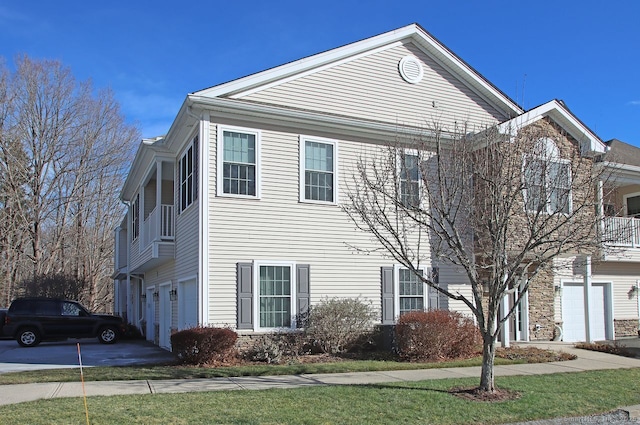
x,y
31,320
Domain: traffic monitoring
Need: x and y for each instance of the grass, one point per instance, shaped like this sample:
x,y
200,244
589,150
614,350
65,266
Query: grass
x,y
514,356
543,396
189,372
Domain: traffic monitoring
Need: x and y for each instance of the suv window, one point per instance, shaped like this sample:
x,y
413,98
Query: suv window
x,y
47,308
71,309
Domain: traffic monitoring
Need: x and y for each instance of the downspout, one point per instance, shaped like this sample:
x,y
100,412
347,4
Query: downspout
x,y
638,298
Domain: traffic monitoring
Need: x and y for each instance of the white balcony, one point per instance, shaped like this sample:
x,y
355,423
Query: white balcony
x,y
621,232
158,226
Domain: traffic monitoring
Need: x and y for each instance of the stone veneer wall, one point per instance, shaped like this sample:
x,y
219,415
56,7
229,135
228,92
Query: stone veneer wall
x,y
628,327
541,307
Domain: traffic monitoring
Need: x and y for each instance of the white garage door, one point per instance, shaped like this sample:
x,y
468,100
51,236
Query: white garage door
x,y
573,317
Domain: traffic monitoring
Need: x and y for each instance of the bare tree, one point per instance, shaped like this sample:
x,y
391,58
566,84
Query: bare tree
x,y
64,150
499,209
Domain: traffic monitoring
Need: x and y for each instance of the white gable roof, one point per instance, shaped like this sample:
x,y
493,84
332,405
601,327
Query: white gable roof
x,y
414,33
558,112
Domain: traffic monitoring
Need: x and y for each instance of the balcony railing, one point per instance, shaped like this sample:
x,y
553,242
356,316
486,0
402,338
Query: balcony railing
x,y
158,226
622,231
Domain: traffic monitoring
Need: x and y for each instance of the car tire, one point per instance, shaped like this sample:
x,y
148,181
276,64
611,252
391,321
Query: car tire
x,y
28,337
108,335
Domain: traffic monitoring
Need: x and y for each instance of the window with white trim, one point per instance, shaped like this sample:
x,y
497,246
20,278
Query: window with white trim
x,y
272,294
547,180
632,204
410,292
188,175
318,170
409,171
275,296
238,170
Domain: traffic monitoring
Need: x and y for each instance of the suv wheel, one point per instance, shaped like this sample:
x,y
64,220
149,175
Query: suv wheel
x,y
108,335
28,337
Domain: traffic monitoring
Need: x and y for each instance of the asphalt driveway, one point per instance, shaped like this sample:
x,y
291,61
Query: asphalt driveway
x,y
63,354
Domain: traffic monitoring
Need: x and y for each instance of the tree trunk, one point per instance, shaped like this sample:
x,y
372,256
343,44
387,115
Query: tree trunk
x,y
488,358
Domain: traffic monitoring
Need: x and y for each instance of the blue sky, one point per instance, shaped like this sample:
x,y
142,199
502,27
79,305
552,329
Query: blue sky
x,y
152,54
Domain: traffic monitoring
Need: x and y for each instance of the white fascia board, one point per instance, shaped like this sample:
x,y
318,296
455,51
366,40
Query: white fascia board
x,y
622,173
302,121
311,64
562,116
308,63
467,74
148,150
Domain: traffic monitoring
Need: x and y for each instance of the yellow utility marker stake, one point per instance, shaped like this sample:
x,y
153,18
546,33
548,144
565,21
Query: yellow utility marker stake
x,y
84,393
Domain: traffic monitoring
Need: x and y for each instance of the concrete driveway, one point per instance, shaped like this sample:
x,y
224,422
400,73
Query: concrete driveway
x,y
64,354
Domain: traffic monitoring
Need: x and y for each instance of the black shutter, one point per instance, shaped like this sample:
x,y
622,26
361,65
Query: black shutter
x,y
245,295
196,166
302,293
388,315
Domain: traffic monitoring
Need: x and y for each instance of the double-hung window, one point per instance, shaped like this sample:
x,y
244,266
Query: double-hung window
x,y
410,292
547,180
409,174
238,151
188,175
275,297
318,174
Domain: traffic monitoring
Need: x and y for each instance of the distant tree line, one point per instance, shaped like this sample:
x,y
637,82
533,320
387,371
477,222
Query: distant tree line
x,y
64,151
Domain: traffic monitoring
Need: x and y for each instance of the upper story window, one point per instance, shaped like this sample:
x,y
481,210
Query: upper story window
x,y
238,170
632,203
547,180
135,218
189,175
409,170
318,174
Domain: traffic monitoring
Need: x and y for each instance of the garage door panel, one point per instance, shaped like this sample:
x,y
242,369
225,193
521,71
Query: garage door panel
x,y
573,312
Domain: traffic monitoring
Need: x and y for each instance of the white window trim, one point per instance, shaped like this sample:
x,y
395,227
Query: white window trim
x,y
302,169
220,161
194,184
256,293
396,289
399,165
551,156
625,202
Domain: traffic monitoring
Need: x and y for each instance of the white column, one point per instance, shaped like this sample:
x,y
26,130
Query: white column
x,y
506,327
587,298
158,222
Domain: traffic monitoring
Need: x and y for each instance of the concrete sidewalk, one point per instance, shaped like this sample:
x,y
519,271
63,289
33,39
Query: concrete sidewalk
x,y
587,360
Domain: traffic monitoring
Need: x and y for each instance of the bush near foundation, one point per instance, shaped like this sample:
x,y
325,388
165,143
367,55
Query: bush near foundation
x,y
336,325
202,345
436,335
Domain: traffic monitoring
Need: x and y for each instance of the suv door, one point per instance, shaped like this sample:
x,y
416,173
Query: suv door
x,y
47,313
76,320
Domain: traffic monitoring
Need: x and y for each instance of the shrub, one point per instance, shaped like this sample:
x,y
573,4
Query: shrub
x,y
277,348
338,324
436,335
204,345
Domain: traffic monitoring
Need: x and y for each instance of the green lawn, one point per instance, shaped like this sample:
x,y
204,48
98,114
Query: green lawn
x,y
426,402
189,372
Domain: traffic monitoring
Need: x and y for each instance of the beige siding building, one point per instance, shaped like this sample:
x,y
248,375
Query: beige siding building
x,y
235,215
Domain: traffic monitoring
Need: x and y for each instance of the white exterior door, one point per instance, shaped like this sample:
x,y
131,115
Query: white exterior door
x,y
164,323
150,315
573,312
188,304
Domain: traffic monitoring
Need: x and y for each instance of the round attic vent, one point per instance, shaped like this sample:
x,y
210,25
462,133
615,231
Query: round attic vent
x,y
411,69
